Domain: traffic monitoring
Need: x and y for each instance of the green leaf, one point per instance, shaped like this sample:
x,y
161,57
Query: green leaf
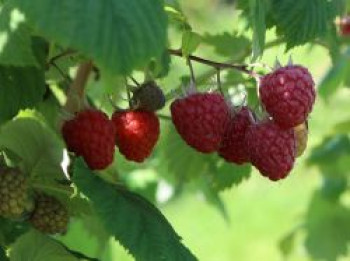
x,y
333,186
133,221
228,45
342,127
190,42
178,161
224,175
301,21
257,14
3,256
35,246
37,146
10,231
15,40
118,35
286,245
335,76
21,87
328,229
213,198
330,151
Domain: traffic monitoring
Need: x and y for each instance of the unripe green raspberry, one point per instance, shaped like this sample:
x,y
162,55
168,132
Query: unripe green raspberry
x,y
49,216
13,192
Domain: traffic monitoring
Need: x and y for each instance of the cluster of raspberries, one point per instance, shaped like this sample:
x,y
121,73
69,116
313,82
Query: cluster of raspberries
x,y
135,131
208,124
43,212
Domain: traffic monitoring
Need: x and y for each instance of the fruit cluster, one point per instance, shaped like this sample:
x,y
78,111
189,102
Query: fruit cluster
x,y
43,212
135,131
208,124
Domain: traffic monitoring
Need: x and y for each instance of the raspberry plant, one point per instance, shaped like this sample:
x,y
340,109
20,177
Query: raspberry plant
x,y
76,125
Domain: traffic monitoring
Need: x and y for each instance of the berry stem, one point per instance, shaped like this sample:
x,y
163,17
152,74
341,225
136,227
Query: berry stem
x,y
75,93
242,68
193,78
218,79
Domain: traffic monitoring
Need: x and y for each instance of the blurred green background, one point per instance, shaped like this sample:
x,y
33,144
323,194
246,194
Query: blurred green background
x,y
261,213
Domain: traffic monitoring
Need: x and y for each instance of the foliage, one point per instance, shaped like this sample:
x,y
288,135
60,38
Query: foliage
x,y
44,42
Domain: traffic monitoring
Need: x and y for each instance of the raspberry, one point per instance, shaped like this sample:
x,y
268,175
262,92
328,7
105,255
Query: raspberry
x,y
301,137
272,149
233,147
148,97
91,135
136,132
345,26
13,192
49,215
200,119
288,95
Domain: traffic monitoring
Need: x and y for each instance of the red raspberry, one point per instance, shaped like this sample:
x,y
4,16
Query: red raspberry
x,y
272,149
91,135
288,95
345,26
137,133
233,147
200,119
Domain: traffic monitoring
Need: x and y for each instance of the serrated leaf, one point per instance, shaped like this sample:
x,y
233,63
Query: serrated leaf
x,y
190,42
118,35
15,39
224,175
229,45
177,160
21,88
133,221
257,16
37,146
328,229
301,21
35,246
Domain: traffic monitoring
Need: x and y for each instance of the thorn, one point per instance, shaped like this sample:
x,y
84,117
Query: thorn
x,y
290,61
277,64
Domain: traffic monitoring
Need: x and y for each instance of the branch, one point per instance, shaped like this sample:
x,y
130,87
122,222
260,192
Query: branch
x,y
216,65
75,95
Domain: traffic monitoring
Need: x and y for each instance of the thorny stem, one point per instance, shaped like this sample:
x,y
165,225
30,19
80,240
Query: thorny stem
x,y
75,93
217,65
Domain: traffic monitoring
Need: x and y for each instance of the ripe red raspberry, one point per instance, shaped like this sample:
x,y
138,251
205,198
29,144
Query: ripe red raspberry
x,y
200,119
233,147
345,26
137,133
272,149
91,135
288,95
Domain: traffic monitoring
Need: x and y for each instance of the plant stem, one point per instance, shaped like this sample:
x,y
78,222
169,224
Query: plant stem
x,y
217,65
75,95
